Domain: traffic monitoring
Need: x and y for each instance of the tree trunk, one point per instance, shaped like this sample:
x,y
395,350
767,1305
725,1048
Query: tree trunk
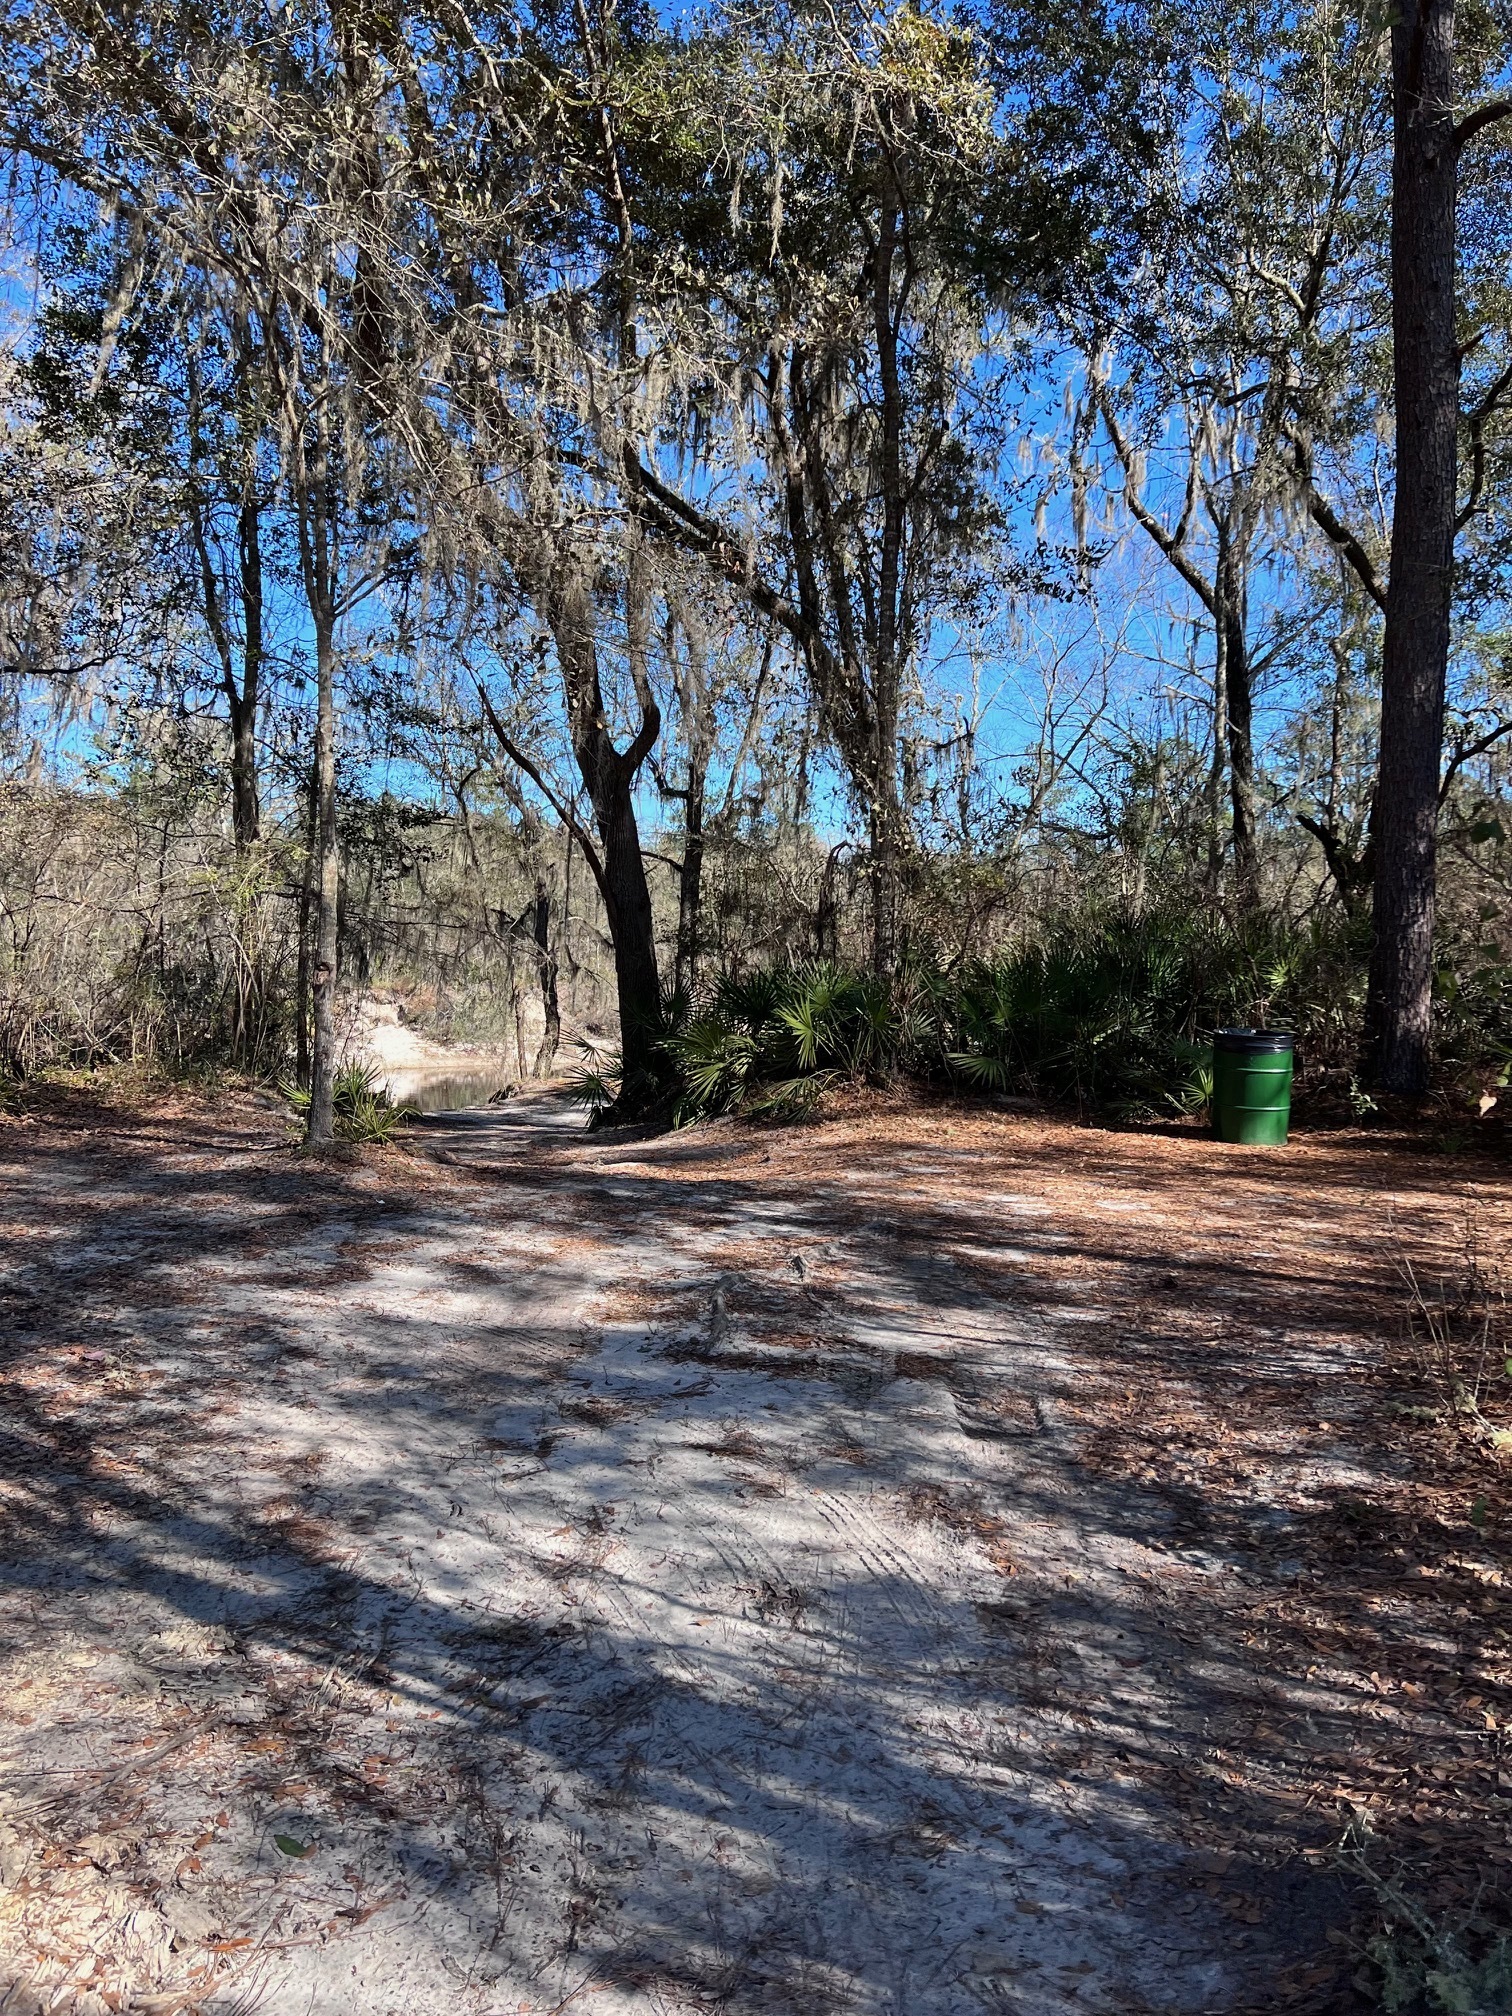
x,y
321,1130
886,875
1415,661
517,1002
690,886
627,901
246,812
827,912
1352,873
319,527
887,820
609,777
1241,751
887,825
1216,848
306,905
551,1035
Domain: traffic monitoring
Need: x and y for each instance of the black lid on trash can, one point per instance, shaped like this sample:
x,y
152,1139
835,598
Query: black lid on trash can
x,y
1252,1042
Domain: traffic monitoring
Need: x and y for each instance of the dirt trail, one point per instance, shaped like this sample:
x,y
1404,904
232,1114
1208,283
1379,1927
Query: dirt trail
x,y
868,1567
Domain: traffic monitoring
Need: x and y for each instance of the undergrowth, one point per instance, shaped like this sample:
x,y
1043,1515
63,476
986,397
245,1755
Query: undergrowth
x,y
1110,1012
1415,1961
1459,1338
363,1110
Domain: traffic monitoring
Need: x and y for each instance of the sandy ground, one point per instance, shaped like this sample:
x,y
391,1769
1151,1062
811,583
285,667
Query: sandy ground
x,y
926,1562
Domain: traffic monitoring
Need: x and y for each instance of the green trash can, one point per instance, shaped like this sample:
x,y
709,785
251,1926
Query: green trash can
x,y
1252,1083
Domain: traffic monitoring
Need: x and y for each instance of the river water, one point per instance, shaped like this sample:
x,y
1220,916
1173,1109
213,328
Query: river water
x,y
447,1091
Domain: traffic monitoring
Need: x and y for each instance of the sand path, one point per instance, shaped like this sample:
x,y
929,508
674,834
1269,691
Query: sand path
x,y
547,1572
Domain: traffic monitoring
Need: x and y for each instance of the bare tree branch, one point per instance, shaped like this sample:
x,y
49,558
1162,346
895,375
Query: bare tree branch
x,y
1466,752
1490,404
1482,116
558,805
1332,526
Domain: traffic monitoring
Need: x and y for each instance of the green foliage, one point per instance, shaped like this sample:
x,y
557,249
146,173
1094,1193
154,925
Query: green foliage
x,y
363,1110
1102,1008
1472,1003
1113,1011
594,1082
650,1092
771,1044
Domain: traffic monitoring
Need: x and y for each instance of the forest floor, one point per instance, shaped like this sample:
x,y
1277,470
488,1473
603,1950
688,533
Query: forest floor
x,y
927,1561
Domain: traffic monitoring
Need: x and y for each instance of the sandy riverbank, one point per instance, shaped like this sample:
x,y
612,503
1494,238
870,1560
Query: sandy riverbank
x,y
416,1067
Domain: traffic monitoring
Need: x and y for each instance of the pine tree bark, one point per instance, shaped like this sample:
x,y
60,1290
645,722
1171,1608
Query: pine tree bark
x,y
321,1129
246,809
318,525
1416,651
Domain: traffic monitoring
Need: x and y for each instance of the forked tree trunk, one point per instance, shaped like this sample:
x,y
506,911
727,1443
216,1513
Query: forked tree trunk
x,y
609,778
1399,1007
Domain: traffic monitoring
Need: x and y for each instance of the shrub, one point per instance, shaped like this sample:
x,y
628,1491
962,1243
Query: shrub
x,y
363,1109
1116,1012
1417,1962
1102,1008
